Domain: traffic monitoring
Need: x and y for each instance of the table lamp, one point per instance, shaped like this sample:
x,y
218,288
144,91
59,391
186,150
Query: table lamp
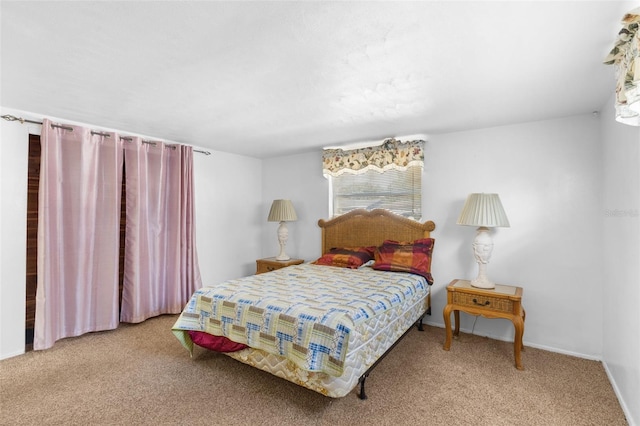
x,y
484,211
282,211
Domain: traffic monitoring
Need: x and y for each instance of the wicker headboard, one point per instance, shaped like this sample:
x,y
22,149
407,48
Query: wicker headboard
x,y
360,228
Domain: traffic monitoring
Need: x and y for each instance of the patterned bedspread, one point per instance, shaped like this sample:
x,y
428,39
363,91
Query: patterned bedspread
x,y
306,313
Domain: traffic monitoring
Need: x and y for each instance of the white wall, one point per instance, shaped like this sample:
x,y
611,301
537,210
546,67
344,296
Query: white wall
x,y
620,288
14,149
548,175
298,178
228,221
228,215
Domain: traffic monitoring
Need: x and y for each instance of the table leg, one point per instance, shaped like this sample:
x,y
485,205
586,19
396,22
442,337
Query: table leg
x,y
456,316
447,326
524,320
518,324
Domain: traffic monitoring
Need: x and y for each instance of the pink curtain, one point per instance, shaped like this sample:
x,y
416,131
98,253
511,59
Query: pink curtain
x,y
161,265
78,233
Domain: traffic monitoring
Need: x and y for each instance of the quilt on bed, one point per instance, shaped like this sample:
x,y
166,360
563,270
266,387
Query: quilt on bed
x,y
305,313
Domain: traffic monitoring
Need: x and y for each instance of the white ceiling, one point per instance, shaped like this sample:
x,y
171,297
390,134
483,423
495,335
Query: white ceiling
x,y
271,78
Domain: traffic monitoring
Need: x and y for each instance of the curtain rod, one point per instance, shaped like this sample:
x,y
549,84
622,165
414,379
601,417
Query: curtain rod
x,y
93,132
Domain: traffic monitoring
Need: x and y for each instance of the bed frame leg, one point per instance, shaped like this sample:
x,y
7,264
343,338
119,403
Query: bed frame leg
x,y
419,322
362,379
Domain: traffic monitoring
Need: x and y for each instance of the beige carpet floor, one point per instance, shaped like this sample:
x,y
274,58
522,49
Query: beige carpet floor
x,y
141,375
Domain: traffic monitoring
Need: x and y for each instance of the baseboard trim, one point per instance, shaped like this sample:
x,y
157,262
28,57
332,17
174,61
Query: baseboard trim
x,y
616,390
11,354
525,342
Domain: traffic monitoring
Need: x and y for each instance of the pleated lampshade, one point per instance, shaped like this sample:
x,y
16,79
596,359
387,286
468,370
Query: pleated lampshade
x,y
282,211
483,210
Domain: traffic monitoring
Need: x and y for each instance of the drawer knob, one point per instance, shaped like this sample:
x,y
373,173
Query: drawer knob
x,y
486,303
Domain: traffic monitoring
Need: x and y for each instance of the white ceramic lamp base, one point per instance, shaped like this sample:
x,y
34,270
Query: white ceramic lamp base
x,y
283,235
482,248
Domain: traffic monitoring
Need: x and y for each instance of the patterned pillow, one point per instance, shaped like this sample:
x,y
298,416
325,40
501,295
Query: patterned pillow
x,y
347,257
414,257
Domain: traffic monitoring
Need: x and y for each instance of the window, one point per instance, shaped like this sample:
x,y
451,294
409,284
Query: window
x,y
388,176
397,190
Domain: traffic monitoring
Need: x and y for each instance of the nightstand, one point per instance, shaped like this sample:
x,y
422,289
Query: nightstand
x,y
501,302
271,264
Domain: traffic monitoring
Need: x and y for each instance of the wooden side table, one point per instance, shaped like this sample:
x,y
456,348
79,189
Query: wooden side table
x,y
502,302
269,264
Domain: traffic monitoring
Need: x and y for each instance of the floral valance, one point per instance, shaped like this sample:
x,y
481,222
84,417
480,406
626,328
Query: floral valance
x,y
392,154
625,55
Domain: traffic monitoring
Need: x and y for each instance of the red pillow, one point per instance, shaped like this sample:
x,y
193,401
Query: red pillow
x,y
215,343
414,257
347,257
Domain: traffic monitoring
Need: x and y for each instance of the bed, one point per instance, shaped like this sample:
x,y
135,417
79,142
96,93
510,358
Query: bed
x,y
326,324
